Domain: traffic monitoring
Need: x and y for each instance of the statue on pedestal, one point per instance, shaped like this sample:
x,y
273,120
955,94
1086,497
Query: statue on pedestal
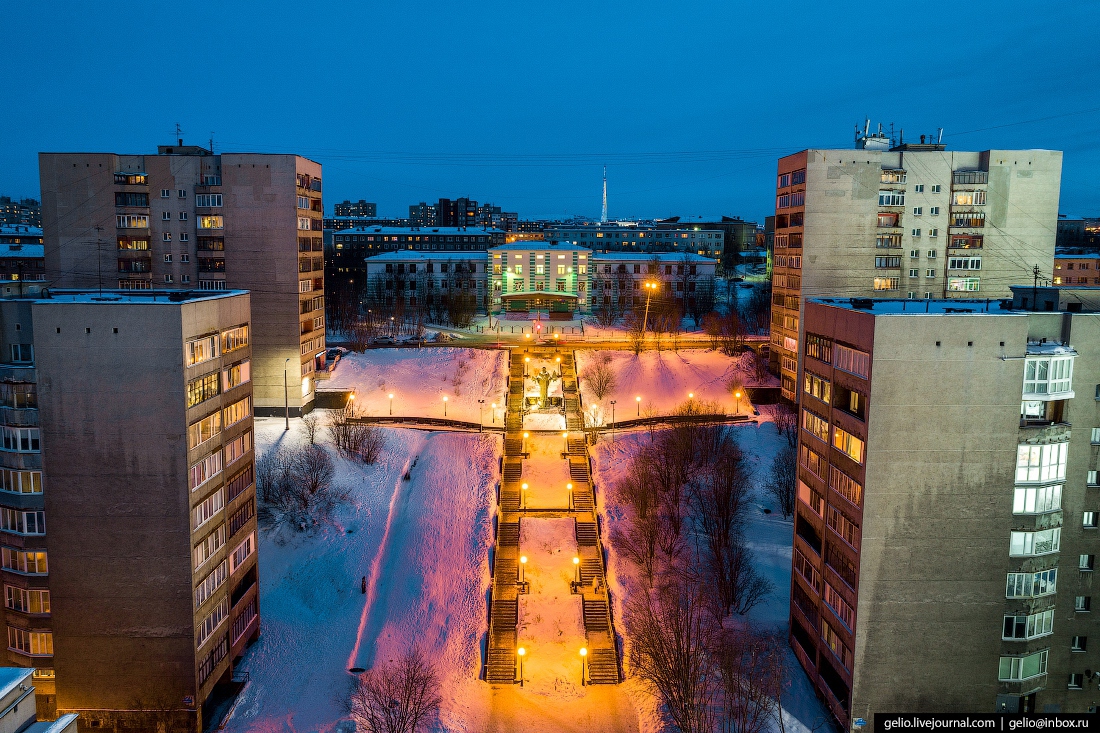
x,y
543,379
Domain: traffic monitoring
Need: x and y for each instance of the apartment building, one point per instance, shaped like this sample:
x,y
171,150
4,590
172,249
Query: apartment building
x,y
361,209
18,705
127,500
617,280
188,219
1076,268
21,256
534,275
632,236
911,221
946,523
425,279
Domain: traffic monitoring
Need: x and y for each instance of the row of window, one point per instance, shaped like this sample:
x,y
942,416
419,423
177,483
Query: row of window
x,y
212,346
211,385
27,601
27,562
211,426
32,643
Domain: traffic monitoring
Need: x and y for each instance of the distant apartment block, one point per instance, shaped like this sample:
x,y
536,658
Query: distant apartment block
x,y
1079,233
21,256
432,280
912,221
1076,269
188,219
118,405
360,208
461,212
639,237
738,241
947,515
25,212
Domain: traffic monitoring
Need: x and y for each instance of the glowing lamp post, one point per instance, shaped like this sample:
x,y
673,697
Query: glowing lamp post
x,y
613,421
444,405
565,440
737,396
638,399
520,654
584,654
526,363
480,414
523,496
577,568
691,395
649,287
569,489
522,565
523,448
493,416
391,405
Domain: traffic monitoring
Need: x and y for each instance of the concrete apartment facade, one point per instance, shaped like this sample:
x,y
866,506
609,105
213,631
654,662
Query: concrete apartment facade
x,y
948,502
128,424
631,236
186,218
1077,268
913,221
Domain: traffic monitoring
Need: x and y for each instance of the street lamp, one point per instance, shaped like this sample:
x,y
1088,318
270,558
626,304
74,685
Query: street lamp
x,y
638,399
526,363
649,287
286,397
523,448
691,395
523,496
520,654
444,405
737,395
584,653
391,404
480,415
577,566
493,417
522,565
569,488
565,440
613,421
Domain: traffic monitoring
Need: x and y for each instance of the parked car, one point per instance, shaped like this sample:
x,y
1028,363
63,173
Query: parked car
x,y
382,341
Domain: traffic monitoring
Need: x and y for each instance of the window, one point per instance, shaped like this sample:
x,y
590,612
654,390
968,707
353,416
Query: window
x,y
798,177
166,215
1079,644
915,232
783,202
887,262
208,199
234,338
935,188
22,522
210,506
181,193
845,485
963,284
913,272
1032,585
818,387
131,199
1028,627
26,601
165,193
218,652
1082,604
211,222
811,498
211,623
846,528
891,198
964,263
131,221
1086,562
836,645
203,430
1030,544
32,643
236,375
1036,463
237,411
22,353
20,482
819,347
918,188
202,389
784,180
969,198
918,210
852,360
242,552
209,545
202,349
886,283
167,258
839,606
183,216
1037,500
812,460
815,425
1048,375
20,440
205,470
888,241
238,447
848,443
803,567
133,243
26,562
305,286
933,232
1088,520
1076,681
210,583
892,175
971,219
934,211
1022,668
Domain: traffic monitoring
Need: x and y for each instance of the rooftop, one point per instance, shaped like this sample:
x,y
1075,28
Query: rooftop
x,y
414,230
134,297
21,229
22,250
540,245
650,256
909,306
1083,256
12,677
404,255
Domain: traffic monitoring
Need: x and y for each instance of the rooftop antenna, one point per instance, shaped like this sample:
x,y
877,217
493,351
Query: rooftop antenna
x,y
179,135
211,142
939,138
603,216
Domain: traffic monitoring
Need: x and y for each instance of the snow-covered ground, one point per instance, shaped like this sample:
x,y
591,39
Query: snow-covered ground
x,y
422,544
769,538
665,380
419,379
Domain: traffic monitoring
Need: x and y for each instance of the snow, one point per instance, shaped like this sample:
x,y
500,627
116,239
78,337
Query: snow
x,y
769,537
551,625
544,421
664,380
423,545
545,472
419,379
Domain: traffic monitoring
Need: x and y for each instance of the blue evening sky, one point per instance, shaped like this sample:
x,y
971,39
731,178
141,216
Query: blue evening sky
x,y
521,103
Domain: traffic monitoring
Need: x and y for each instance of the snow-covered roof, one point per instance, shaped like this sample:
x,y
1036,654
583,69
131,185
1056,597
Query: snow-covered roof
x,y
63,723
650,256
1063,256
130,297
912,306
11,678
23,229
417,230
537,244
1050,348
22,250
405,255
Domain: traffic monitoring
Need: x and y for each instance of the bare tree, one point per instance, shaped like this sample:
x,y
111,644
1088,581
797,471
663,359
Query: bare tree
x,y
372,445
782,478
786,421
296,486
759,368
399,696
353,438
712,327
671,638
635,332
600,377
311,423
752,670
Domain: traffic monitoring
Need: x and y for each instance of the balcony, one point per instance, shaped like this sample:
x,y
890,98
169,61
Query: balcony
x,y
967,219
889,220
970,178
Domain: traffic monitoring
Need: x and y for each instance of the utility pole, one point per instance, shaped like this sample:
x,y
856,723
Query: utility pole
x,y
1035,288
99,256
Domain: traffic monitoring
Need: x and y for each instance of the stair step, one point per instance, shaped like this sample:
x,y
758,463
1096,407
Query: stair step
x,y
508,534
505,614
504,569
578,471
590,568
595,616
603,667
587,536
501,666
513,470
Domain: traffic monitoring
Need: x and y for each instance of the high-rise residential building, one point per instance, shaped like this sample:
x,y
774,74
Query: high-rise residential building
x,y
188,219
127,501
25,212
912,221
21,253
362,209
460,212
948,503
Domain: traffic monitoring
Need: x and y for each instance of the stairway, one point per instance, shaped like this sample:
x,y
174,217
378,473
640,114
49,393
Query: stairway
x,y
508,534
596,617
587,535
603,667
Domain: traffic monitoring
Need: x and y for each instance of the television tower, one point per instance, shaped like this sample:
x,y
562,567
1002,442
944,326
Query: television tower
x,y
603,216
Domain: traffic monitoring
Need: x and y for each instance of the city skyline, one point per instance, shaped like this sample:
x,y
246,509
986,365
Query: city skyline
x,y
706,148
